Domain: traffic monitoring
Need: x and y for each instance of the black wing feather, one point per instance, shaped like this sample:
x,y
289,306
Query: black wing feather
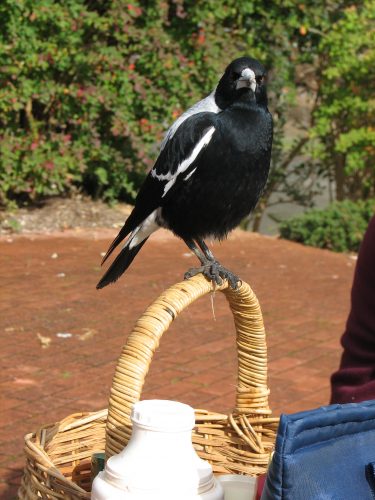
x,y
120,265
176,150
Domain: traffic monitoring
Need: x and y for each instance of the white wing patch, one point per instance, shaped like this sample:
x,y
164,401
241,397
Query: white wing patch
x,y
184,165
143,231
207,105
190,174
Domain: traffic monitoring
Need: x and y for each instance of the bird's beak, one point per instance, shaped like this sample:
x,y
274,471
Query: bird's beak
x,y
247,80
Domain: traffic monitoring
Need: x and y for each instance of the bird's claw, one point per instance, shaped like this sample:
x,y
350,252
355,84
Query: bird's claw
x,y
215,272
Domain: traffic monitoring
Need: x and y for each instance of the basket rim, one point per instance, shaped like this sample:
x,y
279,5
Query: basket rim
x,y
35,442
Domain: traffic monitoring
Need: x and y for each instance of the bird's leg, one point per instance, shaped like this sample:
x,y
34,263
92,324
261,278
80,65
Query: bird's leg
x,y
207,252
193,247
210,268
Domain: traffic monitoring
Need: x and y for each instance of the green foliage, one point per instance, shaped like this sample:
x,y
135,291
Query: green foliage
x,y
87,89
340,227
344,119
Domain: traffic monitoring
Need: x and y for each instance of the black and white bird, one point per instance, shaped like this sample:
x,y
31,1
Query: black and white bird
x,y
211,170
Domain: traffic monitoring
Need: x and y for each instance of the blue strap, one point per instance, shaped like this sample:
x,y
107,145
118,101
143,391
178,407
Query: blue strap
x,y
370,476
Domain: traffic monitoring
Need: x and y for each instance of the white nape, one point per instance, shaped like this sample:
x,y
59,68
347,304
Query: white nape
x,y
206,105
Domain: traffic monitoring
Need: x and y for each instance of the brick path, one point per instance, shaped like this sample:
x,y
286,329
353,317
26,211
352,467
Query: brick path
x,y
304,294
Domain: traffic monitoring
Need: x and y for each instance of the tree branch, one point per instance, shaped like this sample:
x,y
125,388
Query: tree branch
x,y
294,152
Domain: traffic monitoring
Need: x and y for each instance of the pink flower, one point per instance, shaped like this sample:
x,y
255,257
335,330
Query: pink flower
x,y
49,165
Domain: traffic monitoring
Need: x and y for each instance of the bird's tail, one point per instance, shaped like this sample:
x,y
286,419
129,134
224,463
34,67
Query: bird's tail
x,y
120,264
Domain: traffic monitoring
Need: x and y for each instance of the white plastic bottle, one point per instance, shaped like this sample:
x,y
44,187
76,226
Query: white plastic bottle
x,y
159,462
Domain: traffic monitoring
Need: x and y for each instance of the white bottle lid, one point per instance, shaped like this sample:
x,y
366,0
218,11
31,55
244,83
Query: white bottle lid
x,y
163,415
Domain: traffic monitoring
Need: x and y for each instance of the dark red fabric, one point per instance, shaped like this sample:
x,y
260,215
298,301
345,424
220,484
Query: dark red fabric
x,y
355,379
260,485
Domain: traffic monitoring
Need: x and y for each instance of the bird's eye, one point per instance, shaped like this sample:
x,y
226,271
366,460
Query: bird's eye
x,y
259,79
235,75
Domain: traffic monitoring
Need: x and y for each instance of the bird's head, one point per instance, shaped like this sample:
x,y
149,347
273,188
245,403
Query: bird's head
x,y
242,76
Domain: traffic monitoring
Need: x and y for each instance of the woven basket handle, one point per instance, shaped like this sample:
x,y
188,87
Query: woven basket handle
x,y
135,359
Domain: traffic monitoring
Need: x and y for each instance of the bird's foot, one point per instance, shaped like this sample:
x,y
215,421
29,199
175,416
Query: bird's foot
x,y
216,273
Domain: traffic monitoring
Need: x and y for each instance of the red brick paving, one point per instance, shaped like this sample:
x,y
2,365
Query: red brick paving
x,y
304,294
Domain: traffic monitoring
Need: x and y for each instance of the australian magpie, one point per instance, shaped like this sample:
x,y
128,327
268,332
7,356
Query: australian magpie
x,y
212,168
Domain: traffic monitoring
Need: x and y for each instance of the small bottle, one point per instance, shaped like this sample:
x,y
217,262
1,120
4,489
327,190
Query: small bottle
x,y
159,462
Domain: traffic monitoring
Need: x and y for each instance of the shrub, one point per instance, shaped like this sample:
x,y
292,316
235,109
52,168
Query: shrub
x,y
344,118
340,227
87,88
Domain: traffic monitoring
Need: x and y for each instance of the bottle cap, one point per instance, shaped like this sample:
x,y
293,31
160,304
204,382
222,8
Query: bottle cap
x,y
163,415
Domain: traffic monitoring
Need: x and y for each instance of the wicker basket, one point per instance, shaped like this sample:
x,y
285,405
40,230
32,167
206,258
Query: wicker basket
x,y
58,456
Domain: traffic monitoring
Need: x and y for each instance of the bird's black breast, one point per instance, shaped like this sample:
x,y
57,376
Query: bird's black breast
x,y
230,176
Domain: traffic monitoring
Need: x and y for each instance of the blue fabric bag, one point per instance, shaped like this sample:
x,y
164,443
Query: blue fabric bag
x,y
324,454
